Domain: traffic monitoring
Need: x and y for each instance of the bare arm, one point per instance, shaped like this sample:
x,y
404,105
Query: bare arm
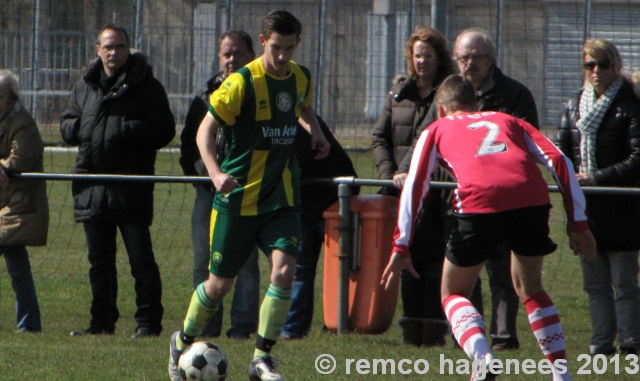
x,y
309,122
206,140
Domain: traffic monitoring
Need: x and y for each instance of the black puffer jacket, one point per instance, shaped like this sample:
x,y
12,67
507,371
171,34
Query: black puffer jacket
x,y
118,132
398,125
614,220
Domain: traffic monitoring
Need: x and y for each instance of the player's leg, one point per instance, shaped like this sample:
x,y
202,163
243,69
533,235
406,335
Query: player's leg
x,y
200,228
280,232
466,322
542,313
530,242
232,240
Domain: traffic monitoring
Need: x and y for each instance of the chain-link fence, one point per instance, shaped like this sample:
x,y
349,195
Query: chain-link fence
x,y
353,48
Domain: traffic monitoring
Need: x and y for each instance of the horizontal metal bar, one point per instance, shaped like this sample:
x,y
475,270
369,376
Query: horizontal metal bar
x,y
352,181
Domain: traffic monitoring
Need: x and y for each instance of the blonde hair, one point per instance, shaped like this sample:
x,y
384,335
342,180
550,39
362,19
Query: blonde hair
x,y
601,49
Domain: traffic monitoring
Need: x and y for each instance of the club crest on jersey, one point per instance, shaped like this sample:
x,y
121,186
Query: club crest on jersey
x,y
217,258
283,101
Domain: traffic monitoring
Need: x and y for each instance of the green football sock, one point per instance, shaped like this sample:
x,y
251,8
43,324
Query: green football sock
x,y
273,313
201,310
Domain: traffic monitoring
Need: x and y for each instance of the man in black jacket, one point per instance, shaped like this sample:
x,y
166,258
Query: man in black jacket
x,y
236,50
119,116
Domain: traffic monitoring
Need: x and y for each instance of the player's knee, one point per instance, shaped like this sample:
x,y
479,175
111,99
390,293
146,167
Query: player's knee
x,y
216,288
282,276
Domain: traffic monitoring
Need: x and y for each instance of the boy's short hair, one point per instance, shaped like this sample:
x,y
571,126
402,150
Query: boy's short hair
x,y
281,22
456,93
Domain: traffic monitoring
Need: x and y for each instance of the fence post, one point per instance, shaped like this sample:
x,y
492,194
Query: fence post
x,y
345,247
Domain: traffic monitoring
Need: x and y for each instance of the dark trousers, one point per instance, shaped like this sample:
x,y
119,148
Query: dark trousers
x,y
300,315
101,242
504,299
19,269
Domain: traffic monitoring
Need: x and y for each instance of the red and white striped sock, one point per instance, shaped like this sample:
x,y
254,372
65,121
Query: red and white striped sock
x,y
467,325
546,327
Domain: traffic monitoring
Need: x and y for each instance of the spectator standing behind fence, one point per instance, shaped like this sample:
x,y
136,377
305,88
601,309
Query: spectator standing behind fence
x,y
423,321
258,190
236,50
24,210
502,197
475,56
315,198
118,115
600,131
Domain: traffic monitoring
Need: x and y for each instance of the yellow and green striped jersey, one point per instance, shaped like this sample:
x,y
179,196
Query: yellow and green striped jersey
x,y
259,113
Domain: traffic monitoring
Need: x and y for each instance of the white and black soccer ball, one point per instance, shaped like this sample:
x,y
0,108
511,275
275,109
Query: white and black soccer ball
x,y
203,361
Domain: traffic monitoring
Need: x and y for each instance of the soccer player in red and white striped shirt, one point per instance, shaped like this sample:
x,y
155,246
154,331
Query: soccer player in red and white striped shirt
x,y
501,195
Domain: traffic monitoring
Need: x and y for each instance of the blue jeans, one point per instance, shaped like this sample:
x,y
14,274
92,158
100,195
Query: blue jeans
x,y
246,296
300,315
101,242
19,269
611,280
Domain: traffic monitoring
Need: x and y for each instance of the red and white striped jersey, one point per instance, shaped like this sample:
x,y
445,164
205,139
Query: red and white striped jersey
x,y
493,158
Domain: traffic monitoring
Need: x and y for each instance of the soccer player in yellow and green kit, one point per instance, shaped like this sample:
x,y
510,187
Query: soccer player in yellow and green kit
x,y
258,186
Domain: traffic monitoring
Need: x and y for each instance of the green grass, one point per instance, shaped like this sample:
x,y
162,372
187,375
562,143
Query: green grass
x,y
60,270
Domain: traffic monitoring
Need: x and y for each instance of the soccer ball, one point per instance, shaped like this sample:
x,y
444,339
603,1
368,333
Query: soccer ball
x,y
203,361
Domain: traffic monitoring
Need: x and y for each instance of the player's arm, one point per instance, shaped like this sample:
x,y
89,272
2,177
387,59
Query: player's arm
x,y
561,168
416,188
309,122
206,140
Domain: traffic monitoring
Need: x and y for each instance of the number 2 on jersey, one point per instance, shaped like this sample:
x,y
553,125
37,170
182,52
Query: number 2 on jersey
x,y
488,146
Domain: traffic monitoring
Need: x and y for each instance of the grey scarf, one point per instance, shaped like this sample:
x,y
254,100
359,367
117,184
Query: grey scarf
x,y
592,111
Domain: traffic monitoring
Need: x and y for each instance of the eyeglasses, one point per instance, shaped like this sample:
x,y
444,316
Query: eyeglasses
x,y
603,64
468,57
110,48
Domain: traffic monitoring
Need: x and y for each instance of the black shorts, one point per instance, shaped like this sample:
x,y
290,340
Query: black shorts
x,y
477,236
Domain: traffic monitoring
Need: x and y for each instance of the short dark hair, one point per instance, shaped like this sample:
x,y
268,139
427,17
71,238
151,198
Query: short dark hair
x,y
114,27
241,35
281,22
456,93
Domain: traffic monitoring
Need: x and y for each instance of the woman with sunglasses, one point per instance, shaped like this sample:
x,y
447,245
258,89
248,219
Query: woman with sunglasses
x,y
600,131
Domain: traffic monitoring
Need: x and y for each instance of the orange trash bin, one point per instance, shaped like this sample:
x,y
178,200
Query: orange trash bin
x,y
371,307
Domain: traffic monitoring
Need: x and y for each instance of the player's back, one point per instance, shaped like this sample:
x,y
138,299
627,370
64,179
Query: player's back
x,y
488,154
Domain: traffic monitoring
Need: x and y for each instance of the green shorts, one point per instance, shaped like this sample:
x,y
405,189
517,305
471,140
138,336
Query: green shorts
x,y
232,238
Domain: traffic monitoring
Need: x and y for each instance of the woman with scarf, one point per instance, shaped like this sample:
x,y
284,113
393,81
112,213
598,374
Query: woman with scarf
x,y
600,132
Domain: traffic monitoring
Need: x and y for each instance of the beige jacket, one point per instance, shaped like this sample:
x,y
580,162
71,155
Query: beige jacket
x,y
24,210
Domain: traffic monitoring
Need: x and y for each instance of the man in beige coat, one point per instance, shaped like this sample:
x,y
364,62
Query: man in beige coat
x,y
24,211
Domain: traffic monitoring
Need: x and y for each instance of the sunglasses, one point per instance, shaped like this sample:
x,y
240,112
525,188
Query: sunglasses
x,y
604,65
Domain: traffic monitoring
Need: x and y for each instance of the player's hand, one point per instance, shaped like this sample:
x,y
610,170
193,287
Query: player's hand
x,y
322,145
224,183
583,244
397,263
4,178
399,179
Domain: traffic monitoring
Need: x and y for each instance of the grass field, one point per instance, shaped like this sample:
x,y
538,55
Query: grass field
x,y
60,270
